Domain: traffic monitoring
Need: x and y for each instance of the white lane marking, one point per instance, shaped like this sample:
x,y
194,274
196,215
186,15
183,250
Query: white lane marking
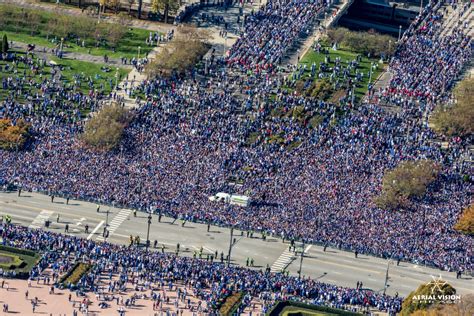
x,y
39,220
282,262
95,230
116,222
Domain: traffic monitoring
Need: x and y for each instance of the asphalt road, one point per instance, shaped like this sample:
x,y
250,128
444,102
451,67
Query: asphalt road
x,y
332,266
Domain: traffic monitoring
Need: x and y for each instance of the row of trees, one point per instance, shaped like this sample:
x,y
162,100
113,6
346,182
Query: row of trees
x,y
457,119
167,7
104,130
406,182
181,54
366,43
13,136
37,22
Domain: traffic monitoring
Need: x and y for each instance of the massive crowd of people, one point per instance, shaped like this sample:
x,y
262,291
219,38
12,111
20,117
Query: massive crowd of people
x,y
315,183
210,280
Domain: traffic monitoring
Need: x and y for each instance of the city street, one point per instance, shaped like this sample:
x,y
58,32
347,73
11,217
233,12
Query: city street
x,y
332,266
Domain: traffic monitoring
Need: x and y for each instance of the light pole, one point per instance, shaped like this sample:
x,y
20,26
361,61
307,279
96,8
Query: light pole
x,y
230,245
399,32
370,72
61,47
301,261
116,78
148,232
100,9
386,275
106,225
138,56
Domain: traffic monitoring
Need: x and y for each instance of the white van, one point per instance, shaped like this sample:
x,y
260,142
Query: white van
x,y
234,199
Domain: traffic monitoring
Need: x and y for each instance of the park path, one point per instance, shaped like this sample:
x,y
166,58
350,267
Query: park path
x,y
133,80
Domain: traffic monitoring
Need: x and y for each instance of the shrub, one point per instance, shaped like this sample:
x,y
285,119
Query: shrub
x,y
181,54
408,180
13,137
458,119
104,130
363,42
5,46
465,222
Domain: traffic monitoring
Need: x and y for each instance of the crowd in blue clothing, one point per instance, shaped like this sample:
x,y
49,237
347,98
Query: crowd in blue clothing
x,y
210,280
192,136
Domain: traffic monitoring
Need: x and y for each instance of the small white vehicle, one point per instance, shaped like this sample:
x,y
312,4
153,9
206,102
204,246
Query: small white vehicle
x,y
234,199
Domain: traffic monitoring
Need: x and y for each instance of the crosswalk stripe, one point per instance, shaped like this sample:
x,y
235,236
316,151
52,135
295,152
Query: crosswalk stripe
x,y
116,222
39,220
282,262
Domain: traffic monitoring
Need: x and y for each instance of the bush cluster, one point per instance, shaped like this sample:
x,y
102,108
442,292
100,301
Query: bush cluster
x,y
105,129
458,119
13,136
75,274
363,42
408,180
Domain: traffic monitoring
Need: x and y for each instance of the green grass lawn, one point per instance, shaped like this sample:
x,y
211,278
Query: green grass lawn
x,y
29,258
293,311
41,28
72,70
363,67
128,46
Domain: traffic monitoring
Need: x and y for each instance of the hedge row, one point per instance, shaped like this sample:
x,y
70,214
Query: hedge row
x,y
25,252
279,306
75,274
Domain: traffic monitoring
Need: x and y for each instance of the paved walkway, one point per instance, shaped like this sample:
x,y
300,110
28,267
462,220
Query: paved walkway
x,y
14,291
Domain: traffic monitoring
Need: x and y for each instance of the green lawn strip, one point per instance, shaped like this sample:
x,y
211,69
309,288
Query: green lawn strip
x,y
291,310
46,28
11,260
127,47
364,66
87,69
29,259
71,69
